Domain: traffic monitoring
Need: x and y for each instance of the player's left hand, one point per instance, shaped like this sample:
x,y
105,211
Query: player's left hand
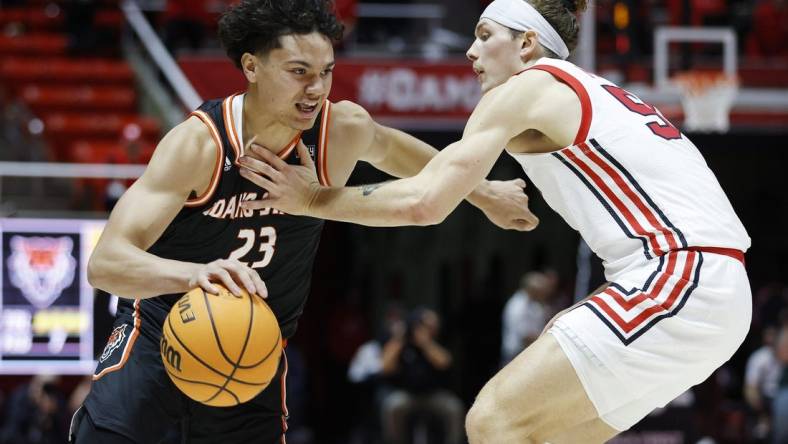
x,y
290,188
506,205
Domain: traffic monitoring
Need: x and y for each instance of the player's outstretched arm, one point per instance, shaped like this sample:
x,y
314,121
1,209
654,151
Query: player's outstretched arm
x,y
402,155
424,199
183,164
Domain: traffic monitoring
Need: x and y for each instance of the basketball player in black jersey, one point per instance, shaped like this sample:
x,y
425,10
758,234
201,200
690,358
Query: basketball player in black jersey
x,y
181,225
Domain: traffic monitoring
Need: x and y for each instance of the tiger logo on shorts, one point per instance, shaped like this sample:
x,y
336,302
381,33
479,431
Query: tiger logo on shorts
x,y
114,341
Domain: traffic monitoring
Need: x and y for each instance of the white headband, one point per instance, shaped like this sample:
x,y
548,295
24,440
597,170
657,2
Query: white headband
x,y
521,16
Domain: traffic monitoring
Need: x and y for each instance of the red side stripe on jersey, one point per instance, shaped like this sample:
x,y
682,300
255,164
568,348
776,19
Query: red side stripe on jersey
x,y
629,192
129,345
217,172
322,154
624,303
686,276
675,291
628,305
582,94
640,297
730,252
622,208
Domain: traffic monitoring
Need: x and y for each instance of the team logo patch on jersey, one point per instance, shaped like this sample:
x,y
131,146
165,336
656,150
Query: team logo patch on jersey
x,y
41,267
227,164
114,342
311,149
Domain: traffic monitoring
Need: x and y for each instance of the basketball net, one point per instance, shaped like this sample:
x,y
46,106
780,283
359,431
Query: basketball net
x,y
707,98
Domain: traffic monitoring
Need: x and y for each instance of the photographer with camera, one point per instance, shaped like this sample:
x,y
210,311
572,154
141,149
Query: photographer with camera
x,y
414,368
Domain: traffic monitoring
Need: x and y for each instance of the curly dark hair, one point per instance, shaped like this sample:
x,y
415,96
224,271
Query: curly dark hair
x,y
254,26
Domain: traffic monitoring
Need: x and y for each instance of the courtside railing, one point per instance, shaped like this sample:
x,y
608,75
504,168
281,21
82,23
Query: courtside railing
x,y
160,55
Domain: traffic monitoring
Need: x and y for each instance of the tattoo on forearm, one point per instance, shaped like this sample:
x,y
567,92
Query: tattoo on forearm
x,y
366,190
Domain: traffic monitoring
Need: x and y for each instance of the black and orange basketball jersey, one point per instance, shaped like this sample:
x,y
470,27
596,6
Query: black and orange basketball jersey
x,y
280,247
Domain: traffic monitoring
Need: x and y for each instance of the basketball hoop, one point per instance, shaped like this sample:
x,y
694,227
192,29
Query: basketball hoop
x,y
707,98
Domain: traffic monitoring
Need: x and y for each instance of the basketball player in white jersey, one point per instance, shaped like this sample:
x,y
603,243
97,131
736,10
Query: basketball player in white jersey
x,y
678,304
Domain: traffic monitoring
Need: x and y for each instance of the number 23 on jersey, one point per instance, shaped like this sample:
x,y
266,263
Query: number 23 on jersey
x,y
265,238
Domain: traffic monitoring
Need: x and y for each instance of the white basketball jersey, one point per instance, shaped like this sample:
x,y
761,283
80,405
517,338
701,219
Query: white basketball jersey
x,y
632,184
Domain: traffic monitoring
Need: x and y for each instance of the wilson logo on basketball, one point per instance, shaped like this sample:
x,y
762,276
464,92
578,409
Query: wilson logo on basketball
x,y
169,353
114,341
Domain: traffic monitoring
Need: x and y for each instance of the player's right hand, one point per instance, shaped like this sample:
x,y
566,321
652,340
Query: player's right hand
x,y
290,188
230,273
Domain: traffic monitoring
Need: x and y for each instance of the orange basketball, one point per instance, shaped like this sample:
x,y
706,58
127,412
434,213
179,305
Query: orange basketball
x,y
221,350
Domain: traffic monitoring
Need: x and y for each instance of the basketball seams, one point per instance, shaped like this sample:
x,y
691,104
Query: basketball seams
x,y
190,381
240,355
213,329
267,355
205,388
197,358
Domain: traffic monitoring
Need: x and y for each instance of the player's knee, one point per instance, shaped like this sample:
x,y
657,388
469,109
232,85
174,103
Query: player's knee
x,y
475,423
483,421
488,422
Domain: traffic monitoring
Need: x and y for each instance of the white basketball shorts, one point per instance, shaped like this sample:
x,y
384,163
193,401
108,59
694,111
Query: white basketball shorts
x,y
656,331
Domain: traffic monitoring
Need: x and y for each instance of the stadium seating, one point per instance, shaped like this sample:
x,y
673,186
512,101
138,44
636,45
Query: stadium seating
x,y
43,44
42,98
87,102
62,129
